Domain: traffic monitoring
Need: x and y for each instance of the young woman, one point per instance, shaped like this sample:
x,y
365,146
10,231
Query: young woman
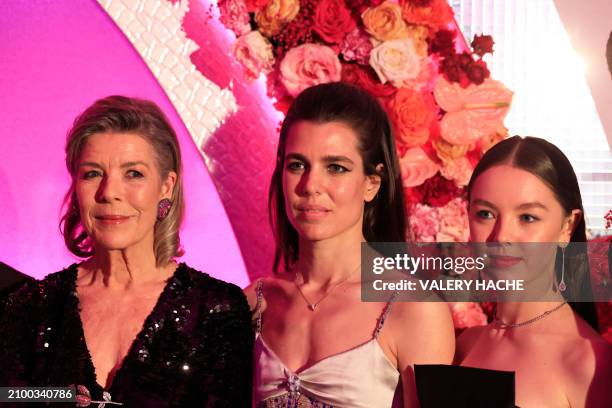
x,y
337,184
524,190
128,323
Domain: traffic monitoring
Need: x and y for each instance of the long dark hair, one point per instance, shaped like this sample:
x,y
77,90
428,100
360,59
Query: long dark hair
x,y
384,217
545,161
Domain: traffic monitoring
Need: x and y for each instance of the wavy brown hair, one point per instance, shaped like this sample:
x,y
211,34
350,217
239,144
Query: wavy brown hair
x,y
384,216
120,114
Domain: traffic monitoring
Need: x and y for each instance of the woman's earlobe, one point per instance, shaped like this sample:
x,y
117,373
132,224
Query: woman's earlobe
x,y
571,222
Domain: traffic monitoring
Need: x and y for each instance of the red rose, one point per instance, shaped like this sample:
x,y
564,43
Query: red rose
x,y
477,72
332,21
438,191
359,6
482,44
256,5
443,43
365,78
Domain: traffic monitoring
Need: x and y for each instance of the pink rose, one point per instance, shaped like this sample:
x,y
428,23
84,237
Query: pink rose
x,y
416,167
308,65
234,15
356,46
458,170
467,314
254,52
453,222
423,223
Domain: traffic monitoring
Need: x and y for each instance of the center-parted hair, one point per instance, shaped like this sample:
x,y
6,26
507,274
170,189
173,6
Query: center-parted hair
x,y
384,216
547,162
120,114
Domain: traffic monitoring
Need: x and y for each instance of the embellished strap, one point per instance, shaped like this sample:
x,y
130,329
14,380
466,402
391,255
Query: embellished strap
x,y
385,314
259,291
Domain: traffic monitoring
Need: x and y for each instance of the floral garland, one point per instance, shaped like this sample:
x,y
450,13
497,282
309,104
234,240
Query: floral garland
x,y
444,107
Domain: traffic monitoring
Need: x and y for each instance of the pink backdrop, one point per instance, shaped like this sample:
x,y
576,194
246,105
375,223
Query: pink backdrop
x,y
58,57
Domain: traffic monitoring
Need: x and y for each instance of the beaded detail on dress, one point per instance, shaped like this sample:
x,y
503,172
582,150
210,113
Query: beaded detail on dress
x,y
194,349
359,377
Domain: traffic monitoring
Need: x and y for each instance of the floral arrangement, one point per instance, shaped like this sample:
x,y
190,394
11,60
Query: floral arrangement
x,y
444,107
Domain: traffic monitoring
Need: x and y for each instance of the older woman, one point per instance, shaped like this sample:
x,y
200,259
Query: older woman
x,y
128,321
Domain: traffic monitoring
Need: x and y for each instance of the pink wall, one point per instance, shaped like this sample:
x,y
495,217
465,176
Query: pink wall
x,y
57,57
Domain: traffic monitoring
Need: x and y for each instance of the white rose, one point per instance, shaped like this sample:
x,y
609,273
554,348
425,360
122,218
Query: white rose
x,y
254,52
396,61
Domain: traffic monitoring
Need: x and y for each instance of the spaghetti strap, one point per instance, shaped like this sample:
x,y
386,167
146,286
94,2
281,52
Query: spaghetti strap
x,y
258,313
384,315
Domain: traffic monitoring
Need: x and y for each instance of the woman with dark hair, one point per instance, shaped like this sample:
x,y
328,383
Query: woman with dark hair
x,y
128,323
337,184
523,191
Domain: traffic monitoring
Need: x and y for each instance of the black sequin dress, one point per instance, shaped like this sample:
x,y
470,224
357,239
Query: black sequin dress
x,y
195,348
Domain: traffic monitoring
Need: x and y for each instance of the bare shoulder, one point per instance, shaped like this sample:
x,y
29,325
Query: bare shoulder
x,y
583,356
422,332
251,293
587,368
270,285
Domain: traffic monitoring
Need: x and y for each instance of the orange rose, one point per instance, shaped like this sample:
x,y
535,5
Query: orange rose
x,y
437,14
277,13
419,34
385,22
412,114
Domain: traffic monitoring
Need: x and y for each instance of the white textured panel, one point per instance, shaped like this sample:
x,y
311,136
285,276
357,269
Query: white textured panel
x,y
154,29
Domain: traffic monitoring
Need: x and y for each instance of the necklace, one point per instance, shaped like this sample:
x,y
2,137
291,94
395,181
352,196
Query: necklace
x,y
505,325
313,306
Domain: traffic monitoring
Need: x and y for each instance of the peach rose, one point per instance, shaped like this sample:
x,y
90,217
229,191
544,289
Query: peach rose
x,y
490,140
308,65
416,167
458,170
385,22
412,114
396,61
275,15
448,151
254,52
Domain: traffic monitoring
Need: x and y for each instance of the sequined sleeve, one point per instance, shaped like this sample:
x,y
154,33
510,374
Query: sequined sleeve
x,y
17,335
229,352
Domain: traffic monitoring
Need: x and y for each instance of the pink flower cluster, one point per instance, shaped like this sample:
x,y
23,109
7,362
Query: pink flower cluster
x,y
444,110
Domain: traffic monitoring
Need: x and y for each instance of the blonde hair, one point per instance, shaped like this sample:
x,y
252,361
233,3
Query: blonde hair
x,y
120,114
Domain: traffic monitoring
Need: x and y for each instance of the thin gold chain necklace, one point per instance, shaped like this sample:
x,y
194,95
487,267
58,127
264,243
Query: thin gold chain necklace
x,y
505,325
313,306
